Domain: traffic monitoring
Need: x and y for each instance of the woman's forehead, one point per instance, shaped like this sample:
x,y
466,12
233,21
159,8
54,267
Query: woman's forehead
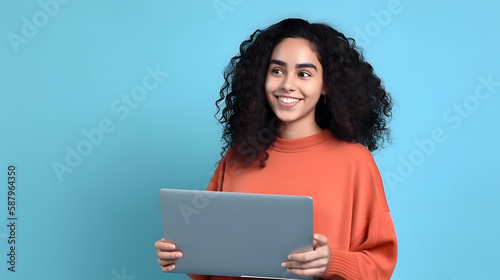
x,y
296,50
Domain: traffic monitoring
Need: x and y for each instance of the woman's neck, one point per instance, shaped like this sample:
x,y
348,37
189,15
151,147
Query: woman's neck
x,y
296,130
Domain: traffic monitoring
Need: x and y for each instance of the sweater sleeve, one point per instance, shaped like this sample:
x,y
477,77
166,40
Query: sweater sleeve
x,y
373,249
373,257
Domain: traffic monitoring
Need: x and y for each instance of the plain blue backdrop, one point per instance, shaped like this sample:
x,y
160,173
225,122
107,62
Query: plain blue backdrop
x,y
102,103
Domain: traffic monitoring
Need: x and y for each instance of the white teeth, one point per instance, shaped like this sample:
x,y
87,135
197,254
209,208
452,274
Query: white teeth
x,y
289,100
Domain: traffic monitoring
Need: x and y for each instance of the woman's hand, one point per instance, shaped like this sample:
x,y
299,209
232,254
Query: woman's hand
x,y
311,263
167,256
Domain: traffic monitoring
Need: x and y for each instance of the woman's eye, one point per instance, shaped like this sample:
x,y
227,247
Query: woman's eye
x,y
304,74
277,71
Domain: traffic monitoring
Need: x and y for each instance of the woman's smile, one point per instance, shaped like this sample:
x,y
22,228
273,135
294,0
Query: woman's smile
x,y
288,101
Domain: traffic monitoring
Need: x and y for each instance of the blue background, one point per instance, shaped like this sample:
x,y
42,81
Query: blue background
x,y
100,220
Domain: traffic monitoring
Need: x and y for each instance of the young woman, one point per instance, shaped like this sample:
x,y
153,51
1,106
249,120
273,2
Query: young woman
x,y
303,110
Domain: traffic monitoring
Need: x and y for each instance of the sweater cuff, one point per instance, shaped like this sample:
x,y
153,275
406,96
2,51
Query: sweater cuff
x,y
343,264
198,277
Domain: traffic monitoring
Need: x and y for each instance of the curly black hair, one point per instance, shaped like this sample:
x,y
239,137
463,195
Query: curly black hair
x,y
357,107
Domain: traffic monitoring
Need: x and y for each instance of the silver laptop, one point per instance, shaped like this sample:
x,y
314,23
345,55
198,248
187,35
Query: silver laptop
x,y
236,234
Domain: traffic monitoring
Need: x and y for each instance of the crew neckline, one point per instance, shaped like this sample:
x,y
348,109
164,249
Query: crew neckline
x,y
303,143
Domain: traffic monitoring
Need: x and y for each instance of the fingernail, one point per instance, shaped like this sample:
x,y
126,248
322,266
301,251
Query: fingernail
x,y
172,247
283,264
179,255
289,257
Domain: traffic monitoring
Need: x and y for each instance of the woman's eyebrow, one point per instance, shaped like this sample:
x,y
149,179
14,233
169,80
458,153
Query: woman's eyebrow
x,y
306,65
301,65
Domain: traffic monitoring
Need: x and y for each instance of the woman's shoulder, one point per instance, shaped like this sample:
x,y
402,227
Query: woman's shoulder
x,y
358,159
348,149
345,153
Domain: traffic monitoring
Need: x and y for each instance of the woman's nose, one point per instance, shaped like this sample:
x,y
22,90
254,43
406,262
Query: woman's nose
x,y
288,83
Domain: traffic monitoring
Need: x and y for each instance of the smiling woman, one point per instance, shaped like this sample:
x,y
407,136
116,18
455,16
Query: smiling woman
x,y
303,110
353,104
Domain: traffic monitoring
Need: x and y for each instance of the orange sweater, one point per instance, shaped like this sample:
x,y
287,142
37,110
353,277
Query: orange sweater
x,y
349,204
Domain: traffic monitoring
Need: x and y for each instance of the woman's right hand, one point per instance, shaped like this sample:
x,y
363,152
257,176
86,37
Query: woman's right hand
x,y
167,256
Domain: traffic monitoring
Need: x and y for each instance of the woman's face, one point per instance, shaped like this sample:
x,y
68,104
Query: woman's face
x,y
294,83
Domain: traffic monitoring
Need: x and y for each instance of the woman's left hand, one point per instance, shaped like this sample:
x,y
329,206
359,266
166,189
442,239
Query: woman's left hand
x,y
310,263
